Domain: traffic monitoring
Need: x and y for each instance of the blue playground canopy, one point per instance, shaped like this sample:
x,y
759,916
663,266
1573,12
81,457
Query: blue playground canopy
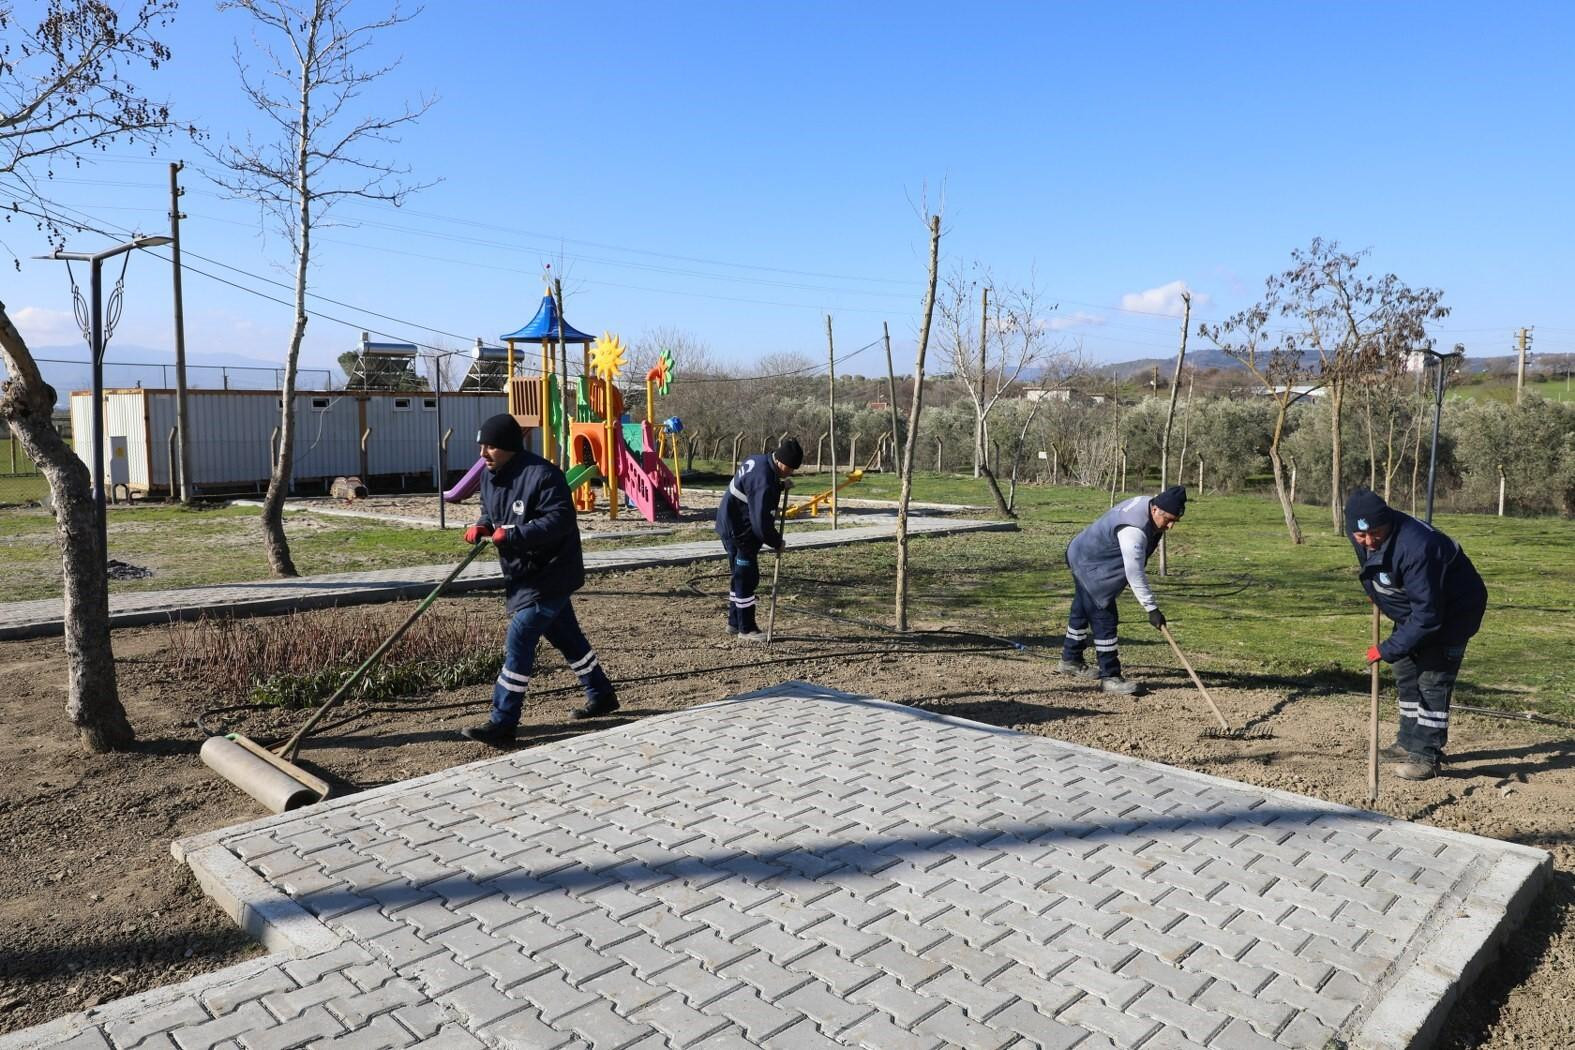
x,y
545,326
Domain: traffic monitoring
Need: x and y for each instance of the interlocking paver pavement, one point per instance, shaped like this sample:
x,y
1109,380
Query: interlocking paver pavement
x,y
801,868
264,597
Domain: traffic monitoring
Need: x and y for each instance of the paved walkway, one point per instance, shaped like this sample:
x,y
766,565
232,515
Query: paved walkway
x,y
263,597
800,868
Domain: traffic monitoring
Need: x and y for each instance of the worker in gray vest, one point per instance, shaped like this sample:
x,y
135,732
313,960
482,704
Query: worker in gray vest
x,y
1106,558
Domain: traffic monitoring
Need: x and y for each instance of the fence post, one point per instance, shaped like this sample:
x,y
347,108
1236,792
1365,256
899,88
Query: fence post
x,y
937,454
1500,483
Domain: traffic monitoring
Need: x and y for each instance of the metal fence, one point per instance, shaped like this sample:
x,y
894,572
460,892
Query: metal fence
x,y
20,480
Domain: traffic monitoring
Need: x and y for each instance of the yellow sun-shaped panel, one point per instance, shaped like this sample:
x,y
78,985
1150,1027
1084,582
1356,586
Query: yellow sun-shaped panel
x,y
607,355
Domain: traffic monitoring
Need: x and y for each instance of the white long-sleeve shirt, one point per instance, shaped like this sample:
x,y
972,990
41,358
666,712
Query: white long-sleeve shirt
x,y
1134,549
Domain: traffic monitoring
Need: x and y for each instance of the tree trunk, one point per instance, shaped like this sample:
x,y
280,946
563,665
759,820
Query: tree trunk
x,y
978,405
279,480
1017,455
1286,505
905,489
1336,400
92,696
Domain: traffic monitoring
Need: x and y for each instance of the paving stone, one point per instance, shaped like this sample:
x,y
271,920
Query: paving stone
x,y
808,869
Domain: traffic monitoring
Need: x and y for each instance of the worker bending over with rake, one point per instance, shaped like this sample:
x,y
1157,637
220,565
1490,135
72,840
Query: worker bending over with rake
x,y
1423,581
1106,558
527,510
746,522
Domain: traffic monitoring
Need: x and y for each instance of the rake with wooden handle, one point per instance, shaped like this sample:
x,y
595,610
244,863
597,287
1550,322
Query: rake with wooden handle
x,y
776,572
1224,732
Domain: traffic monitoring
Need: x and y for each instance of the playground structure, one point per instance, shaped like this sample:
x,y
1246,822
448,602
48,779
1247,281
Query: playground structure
x,y
586,431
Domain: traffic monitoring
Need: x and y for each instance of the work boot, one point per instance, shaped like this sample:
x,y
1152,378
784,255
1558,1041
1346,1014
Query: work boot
x,y
1394,752
1117,684
1077,669
601,705
752,637
1415,767
493,734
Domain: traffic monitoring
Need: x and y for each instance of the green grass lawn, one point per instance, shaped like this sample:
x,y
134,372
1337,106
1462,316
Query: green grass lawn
x,y
1241,599
18,481
1239,596
1560,389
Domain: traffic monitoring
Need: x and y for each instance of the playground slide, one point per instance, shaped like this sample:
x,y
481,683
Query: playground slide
x,y
814,503
581,474
466,486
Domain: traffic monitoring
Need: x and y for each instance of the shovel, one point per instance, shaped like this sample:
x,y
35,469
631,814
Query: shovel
x,y
272,777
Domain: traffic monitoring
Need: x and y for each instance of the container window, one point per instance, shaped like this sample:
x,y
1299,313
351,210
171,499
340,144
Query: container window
x,y
401,404
429,404
320,404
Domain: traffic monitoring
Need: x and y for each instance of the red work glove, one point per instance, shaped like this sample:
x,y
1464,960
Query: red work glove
x,y
476,533
1373,655
500,534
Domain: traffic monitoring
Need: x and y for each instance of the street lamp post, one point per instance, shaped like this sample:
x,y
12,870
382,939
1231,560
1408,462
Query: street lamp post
x,y
1443,360
95,261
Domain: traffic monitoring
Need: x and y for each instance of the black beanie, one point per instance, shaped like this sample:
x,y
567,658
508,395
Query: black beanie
x,y
1172,500
1365,510
502,431
790,453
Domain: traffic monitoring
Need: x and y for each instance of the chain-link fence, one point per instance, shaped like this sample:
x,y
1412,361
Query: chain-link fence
x,y
20,481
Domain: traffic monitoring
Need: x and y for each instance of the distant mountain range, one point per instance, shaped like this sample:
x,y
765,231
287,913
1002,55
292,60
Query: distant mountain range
x,y
1212,358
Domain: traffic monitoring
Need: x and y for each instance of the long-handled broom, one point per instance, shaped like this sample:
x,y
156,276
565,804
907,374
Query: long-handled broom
x,y
272,777
1224,732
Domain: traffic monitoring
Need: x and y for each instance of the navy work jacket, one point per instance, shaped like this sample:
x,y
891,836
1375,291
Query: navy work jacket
x,y
540,556
747,516
1423,581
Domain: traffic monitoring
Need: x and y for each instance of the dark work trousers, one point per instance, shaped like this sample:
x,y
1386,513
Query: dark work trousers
x,y
553,620
1425,681
1088,618
745,566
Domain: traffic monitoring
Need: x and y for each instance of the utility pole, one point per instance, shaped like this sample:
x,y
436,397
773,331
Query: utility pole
x,y
563,377
831,407
184,456
1522,342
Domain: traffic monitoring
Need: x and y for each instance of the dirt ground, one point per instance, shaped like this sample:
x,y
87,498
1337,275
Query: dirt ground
x,y
92,907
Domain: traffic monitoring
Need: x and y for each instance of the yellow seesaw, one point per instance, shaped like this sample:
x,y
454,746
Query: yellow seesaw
x,y
814,503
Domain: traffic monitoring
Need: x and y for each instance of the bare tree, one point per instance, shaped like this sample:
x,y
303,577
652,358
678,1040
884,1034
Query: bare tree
x,y
1357,324
1012,339
905,487
1245,336
64,94
307,160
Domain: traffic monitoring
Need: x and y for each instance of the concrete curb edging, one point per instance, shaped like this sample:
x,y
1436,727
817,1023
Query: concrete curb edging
x,y
275,919
1414,1009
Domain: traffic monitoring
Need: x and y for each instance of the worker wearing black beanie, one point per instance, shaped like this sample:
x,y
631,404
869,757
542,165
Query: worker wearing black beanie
x,y
1423,581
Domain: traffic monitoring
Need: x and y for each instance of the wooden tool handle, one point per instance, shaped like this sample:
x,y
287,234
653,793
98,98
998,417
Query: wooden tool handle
x,y
1195,680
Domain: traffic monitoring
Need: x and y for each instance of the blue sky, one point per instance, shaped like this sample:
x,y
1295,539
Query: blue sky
x,y
738,171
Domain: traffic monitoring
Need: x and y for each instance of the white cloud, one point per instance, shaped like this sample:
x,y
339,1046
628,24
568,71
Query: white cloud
x,y
1080,319
1164,300
40,327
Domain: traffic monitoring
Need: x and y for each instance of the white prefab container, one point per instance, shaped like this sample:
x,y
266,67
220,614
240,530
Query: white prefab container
x,y
388,438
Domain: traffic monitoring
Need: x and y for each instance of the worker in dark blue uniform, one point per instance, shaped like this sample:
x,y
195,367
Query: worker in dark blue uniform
x,y
527,511
1106,558
1423,581
746,522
